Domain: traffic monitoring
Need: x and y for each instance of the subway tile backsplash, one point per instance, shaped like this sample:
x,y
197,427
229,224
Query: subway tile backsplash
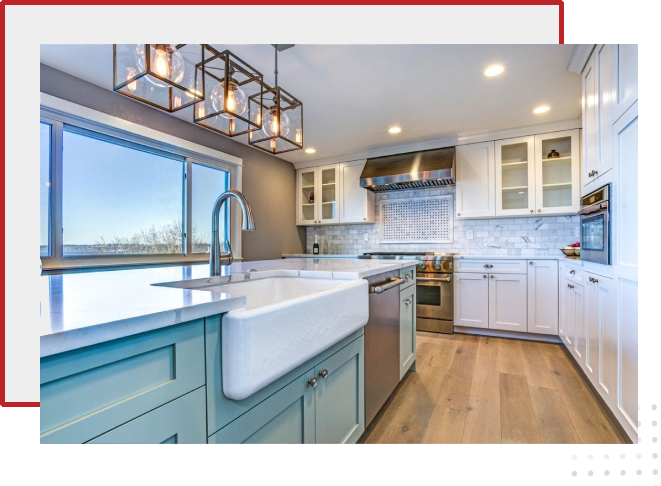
x,y
526,236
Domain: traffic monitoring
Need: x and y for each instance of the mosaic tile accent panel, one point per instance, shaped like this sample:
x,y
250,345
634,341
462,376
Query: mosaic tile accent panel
x,y
417,220
526,236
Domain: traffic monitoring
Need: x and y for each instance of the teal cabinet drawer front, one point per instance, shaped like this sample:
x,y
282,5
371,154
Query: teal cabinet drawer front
x,y
221,410
182,421
287,417
340,396
89,391
408,274
407,320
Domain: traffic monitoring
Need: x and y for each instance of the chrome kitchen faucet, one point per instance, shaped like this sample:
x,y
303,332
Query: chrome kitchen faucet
x,y
217,257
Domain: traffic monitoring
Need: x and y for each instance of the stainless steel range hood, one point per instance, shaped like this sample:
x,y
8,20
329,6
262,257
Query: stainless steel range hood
x,y
409,171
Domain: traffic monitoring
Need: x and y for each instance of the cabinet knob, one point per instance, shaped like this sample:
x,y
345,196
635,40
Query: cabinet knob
x,y
364,219
407,301
458,214
323,373
484,276
313,381
407,277
488,265
492,276
573,272
596,280
539,210
530,263
532,210
595,172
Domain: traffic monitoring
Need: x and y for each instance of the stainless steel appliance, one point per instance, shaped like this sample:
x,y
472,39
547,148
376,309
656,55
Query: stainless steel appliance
x,y
595,227
434,295
409,171
381,342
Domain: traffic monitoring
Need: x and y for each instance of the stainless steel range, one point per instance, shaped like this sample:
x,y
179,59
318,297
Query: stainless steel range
x,y
433,288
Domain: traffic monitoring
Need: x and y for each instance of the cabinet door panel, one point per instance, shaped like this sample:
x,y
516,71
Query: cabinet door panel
x,y
625,78
562,311
607,339
476,183
306,193
592,318
508,302
557,177
286,417
590,127
579,319
182,421
340,396
471,300
570,314
543,296
406,330
515,176
357,204
603,62
327,199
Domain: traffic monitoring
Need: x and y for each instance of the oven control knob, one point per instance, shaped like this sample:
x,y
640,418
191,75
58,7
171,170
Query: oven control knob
x,y
421,265
437,265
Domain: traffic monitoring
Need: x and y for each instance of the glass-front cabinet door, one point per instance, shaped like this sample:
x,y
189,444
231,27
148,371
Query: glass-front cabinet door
x,y
515,176
329,178
307,193
557,168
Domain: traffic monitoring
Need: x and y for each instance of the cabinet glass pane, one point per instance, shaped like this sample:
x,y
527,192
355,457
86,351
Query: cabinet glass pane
x,y
328,194
556,172
514,167
307,195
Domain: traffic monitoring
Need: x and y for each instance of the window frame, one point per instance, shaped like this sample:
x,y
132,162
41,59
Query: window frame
x,y
62,115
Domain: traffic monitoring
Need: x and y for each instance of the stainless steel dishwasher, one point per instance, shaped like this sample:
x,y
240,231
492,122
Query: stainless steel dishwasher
x,y
381,341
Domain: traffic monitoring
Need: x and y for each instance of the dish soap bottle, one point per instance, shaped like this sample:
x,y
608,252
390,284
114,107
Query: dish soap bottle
x,y
315,247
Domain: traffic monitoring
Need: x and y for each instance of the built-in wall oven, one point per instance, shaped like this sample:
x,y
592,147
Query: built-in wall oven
x,y
595,226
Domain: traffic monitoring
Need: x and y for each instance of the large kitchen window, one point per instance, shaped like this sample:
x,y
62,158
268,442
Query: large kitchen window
x,y
110,198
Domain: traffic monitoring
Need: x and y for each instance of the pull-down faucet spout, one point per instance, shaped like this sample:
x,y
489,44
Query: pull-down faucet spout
x,y
218,257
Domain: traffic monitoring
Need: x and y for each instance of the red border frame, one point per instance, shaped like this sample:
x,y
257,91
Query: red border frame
x,y
3,403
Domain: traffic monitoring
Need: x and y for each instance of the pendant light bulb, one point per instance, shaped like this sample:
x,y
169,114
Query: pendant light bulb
x,y
237,101
275,124
166,61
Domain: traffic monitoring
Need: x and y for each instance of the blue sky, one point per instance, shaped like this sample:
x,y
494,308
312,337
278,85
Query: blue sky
x,y
110,190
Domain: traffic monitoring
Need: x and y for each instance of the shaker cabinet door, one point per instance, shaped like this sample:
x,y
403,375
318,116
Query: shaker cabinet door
x,y
471,300
476,180
508,295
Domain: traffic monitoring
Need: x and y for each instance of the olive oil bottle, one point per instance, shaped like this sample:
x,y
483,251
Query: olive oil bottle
x,y
315,247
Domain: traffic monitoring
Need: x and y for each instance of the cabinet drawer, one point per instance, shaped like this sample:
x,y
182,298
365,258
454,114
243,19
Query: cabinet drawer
x,y
490,266
89,391
573,273
408,274
287,417
182,421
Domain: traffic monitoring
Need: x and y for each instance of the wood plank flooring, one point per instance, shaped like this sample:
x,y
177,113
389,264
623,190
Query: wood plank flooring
x,y
482,390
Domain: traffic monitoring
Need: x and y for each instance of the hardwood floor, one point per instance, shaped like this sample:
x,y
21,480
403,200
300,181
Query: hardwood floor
x,y
482,390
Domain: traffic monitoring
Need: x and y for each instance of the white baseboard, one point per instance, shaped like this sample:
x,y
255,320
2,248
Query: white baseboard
x,y
508,334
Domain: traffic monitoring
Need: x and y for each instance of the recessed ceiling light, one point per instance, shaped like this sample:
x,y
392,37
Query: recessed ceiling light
x,y
394,130
494,70
310,151
541,109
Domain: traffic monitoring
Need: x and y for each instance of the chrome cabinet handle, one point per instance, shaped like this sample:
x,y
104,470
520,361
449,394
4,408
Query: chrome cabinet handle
x,y
595,280
488,265
313,381
570,286
492,276
323,373
407,301
573,272
484,276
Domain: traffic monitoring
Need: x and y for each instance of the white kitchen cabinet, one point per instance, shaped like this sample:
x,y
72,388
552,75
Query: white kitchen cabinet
x,y
357,204
471,300
569,307
557,173
543,296
507,302
562,307
317,195
576,321
625,78
515,176
475,180
625,262
601,325
597,118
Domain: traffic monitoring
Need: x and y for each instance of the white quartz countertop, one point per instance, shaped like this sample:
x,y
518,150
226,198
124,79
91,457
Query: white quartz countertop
x,y
322,255
509,257
82,309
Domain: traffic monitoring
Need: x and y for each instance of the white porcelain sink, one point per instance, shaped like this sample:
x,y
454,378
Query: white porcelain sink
x,y
286,322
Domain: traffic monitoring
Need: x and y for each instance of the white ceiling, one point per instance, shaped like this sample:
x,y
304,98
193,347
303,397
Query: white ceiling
x,y
353,93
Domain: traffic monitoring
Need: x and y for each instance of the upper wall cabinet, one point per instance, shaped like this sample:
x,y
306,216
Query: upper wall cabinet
x,y
515,176
476,180
625,78
331,194
357,204
557,172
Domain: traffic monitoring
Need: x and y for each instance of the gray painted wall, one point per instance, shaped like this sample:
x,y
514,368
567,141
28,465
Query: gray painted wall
x,y
269,183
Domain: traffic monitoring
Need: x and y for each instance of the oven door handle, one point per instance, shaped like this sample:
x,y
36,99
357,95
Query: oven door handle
x,y
426,279
594,208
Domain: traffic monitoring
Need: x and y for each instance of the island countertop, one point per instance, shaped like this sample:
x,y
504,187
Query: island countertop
x,y
82,309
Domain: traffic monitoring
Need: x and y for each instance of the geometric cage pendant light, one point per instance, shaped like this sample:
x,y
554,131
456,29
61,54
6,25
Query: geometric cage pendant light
x,y
281,117
234,94
165,76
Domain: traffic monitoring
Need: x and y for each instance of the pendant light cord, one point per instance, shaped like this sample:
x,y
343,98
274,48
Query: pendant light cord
x,y
276,66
